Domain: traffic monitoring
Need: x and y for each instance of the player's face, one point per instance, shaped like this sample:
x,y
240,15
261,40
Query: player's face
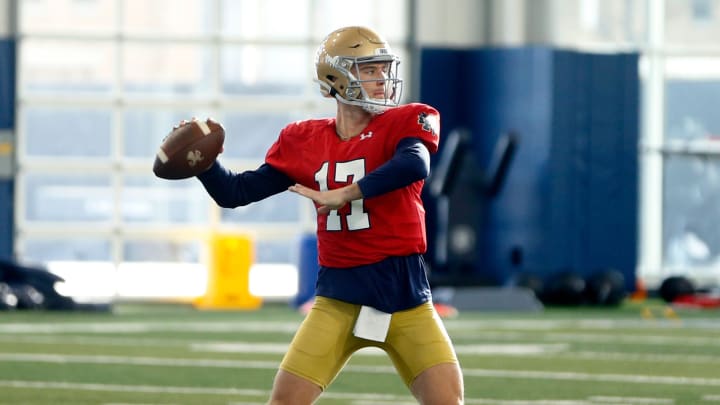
x,y
373,77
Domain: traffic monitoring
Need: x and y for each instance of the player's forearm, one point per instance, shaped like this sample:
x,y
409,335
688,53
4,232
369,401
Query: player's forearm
x,y
410,163
230,190
350,193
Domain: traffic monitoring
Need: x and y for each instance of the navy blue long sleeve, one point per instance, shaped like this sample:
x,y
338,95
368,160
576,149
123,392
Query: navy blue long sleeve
x,y
410,163
230,190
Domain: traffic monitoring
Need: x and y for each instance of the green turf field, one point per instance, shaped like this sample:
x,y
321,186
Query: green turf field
x,y
174,354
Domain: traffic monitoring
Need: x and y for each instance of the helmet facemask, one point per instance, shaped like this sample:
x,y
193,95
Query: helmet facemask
x,y
355,94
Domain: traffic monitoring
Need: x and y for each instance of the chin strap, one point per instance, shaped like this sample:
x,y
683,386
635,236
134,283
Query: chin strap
x,y
328,90
371,108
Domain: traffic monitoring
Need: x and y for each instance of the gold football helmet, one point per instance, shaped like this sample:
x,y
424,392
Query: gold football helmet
x,y
337,65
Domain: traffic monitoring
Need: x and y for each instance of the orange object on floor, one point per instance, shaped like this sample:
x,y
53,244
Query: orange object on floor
x,y
640,294
445,310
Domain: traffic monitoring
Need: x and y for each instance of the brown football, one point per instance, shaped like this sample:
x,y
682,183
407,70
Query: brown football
x,y
189,150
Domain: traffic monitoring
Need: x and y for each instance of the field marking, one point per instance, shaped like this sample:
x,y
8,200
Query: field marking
x,y
144,327
18,331
357,398
577,376
129,328
637,339
130,388
632,400
100,341
478,373
513,349
240,347
272,348
594,400
591,338
187,390
247,403
476,349
641,357
538,349
136,361
589,324
459,325
133,403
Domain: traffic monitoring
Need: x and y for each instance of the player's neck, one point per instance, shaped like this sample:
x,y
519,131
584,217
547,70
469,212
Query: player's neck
x,y
351,121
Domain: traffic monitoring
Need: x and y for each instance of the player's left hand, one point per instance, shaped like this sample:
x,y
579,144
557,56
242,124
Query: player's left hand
x,y
328,200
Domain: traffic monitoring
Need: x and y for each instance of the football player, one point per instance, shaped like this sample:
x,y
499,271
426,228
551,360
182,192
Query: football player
x,y
364,169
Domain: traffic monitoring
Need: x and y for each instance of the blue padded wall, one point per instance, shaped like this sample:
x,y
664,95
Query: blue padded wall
x,y
6,219
569,199
7,123
7,83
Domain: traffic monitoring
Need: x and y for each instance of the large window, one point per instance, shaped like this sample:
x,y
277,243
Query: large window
x,y
680,142
689,65
101,82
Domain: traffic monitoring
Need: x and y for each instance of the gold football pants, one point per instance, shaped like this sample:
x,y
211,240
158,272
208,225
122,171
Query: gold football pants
x,y
416,341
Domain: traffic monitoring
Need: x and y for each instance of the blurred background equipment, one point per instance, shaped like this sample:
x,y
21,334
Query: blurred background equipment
x,y
228,285
606,287
564,287
674,287
35,288
681,291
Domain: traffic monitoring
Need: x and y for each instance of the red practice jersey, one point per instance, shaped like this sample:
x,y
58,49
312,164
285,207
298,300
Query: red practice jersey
x,y
367,230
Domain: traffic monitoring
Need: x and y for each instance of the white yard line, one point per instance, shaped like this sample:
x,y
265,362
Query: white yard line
x,y
576,376
557,337
511,327
129,388
588,324
356,397
144,327
135,361
490,349
480,328
467,372
631,400
54,340
186,390
633,339
641,357
476,349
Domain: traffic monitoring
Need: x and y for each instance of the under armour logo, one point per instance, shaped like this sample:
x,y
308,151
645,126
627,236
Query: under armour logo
x,y
194,156
365,136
